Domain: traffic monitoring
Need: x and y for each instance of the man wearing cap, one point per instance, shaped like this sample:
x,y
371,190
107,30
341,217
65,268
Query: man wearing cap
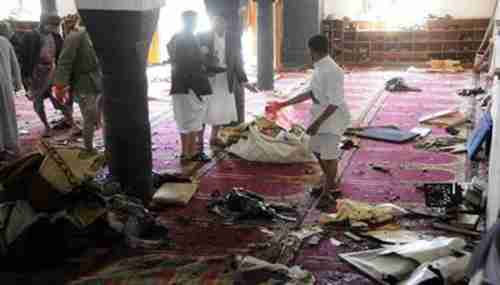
x,y
40,51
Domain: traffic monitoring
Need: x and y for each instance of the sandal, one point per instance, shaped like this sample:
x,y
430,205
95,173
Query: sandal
x,y
184,158
47,133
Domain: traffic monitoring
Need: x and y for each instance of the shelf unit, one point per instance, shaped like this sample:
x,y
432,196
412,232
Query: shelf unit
x,y
373,43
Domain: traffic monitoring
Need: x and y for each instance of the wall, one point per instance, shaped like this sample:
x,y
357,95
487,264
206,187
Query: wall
x,y
66,7
456,8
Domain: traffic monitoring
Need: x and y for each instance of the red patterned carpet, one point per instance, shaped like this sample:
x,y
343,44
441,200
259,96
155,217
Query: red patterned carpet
x,y
204,235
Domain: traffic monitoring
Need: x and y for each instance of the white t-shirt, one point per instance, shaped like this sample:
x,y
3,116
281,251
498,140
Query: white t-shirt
x,y
327,86
220,48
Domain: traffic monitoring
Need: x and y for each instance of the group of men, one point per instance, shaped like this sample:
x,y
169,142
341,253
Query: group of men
x,y
204,71
206,68
46,66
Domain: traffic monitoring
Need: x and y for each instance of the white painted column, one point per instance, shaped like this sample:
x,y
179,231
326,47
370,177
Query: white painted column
x,y
493,204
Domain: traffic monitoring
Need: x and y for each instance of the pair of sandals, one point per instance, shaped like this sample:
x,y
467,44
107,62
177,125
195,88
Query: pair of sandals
x,y
200,157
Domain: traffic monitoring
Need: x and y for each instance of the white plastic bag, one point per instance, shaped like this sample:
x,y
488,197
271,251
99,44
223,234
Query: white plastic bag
x,y
282,149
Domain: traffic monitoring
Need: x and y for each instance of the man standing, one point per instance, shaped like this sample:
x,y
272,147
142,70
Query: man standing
x,y
189,84
10,81
40,51
78,69
226,67
330,115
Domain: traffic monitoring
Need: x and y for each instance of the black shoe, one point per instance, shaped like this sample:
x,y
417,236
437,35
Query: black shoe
x,y
201,157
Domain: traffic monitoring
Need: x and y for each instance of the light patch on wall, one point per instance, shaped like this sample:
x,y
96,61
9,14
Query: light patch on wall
x,y
397,13
26,10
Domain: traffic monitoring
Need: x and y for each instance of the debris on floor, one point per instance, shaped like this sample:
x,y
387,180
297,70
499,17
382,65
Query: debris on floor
x,y
422,132
446,118
445,66
288,246
403,263
380,168
390,134
44,221
398,84
471,92
452,131
397,236
254,271
264,141
348,144
175,194
444,144
240,205
355,211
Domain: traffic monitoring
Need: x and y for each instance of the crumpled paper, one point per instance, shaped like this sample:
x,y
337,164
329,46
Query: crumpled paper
x,y
354,211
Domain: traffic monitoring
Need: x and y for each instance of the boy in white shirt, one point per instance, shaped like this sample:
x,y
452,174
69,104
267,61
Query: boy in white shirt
x,y
330,115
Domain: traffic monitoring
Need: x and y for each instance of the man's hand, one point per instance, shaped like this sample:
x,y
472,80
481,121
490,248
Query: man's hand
x,y
313,129
251,87
59,93
274,106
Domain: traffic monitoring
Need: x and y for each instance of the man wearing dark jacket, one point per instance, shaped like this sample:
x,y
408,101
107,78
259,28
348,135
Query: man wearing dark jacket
x,y
189,84
39,54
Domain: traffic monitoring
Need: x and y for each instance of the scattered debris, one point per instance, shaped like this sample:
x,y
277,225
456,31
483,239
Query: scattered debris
x,y
396,236
352,236
175,193
396,264
255,271
441,143
422,132
445,66
335,242
361,212
471,92
35,212
290,244
452,131
314,240
446,118
442,195
398,84
449,228
240,205
390,134
380,168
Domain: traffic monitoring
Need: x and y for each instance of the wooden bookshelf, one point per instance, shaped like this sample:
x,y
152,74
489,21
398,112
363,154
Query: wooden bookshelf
x,y
373,43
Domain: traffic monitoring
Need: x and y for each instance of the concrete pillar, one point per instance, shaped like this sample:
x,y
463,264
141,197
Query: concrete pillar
x,y
48,6
302,19
265,45
121,39
493,201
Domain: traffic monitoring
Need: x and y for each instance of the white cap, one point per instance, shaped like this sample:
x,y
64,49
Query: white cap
x,y
119,5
